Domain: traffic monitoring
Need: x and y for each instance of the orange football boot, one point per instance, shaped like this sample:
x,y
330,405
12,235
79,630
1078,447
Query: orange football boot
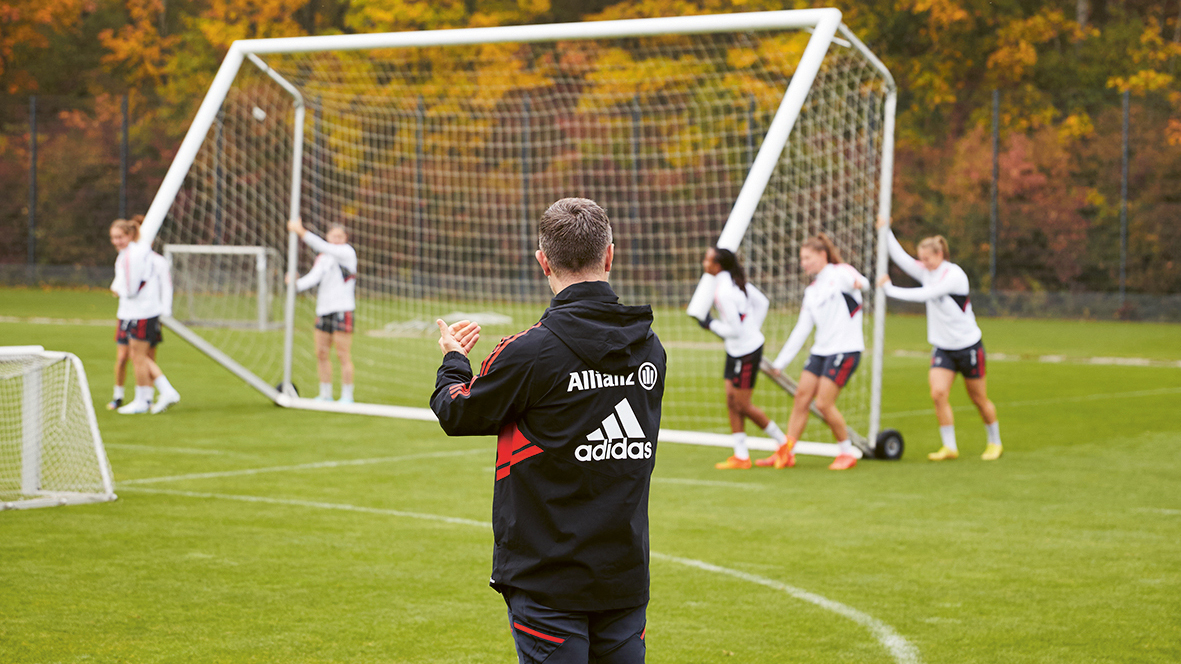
x,y
733,463
780,458
843,462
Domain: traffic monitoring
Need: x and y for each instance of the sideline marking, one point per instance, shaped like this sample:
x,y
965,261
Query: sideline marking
x,y
899,648
1061,359
1044,402
178,450
302,466
39,320
718,483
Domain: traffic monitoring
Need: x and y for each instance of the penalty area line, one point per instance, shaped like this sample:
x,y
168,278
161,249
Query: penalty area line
x,y
901,650
1160,391
302,466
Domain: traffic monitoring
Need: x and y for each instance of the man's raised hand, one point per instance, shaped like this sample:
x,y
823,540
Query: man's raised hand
x,y
459,337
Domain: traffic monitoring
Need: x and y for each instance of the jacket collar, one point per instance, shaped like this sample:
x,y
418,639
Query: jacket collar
x,y
598,291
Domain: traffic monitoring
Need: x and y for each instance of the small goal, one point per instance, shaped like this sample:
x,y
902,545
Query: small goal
x,y
51,452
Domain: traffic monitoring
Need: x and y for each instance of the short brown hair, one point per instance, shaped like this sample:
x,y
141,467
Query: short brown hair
x,y
574,234
936,242
822,242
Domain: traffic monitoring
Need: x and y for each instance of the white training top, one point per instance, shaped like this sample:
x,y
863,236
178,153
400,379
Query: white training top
x,y
335,270
951,324
163,274
137,284
832,303
740,316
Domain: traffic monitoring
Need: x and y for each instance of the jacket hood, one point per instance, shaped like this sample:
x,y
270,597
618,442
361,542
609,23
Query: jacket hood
x,y
608,336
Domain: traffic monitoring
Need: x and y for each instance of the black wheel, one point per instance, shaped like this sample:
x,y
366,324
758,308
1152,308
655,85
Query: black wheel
x,y
294,389
889,445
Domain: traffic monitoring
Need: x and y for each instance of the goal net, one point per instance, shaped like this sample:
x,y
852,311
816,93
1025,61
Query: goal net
x,y
50,449
438,151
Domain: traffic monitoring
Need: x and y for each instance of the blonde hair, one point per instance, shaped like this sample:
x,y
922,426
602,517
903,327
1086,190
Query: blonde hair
x,y
936,243
821,242
128,227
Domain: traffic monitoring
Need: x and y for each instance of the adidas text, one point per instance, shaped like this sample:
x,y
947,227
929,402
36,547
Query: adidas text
x,y
593,380
606,451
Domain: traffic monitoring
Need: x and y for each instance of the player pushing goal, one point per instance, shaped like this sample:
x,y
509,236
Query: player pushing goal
x,y
952,331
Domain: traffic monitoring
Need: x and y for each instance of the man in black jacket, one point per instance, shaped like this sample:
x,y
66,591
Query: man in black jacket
x,y
575,404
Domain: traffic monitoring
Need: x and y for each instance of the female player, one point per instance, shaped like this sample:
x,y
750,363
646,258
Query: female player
x,y
832,304
952,331
142,284
335,272
741,310
163,274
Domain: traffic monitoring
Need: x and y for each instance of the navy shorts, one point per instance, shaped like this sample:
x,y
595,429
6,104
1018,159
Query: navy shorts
x,y
341,321
968,361
144,329
542,634
838,368
743,371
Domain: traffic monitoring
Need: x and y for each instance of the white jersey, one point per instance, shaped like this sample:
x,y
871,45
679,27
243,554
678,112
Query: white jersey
x,y
335,271
832,304
137,283
740,316
162,272
951,324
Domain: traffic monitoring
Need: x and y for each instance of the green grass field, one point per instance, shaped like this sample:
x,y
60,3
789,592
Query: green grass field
x,y
1068,549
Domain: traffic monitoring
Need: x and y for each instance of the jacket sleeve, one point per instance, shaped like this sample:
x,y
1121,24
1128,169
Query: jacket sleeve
x,y
137,269
312,278
949,284
902,259
728,323
852,279
479,405
164,274
343,253
795,342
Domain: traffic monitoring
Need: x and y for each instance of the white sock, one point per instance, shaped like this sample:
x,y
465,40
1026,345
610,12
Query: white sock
x,y
144,393
326,390
775,433
118,392
740,450
994,432
163,385
845,447
947,433
346,391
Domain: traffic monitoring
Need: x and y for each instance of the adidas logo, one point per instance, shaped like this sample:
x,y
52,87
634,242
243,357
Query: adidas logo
x,y
630,437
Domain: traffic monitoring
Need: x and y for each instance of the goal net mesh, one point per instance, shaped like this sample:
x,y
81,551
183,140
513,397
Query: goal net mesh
x,y
48,448
439,161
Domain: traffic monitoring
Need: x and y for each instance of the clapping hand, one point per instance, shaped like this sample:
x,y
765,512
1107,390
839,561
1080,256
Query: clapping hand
x,y
459,337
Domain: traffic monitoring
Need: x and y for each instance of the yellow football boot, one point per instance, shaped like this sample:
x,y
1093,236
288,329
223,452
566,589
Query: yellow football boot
x,y
992,452
944,454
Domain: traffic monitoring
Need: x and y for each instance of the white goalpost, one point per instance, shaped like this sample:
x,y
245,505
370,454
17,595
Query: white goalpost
x,y
51,452
438,151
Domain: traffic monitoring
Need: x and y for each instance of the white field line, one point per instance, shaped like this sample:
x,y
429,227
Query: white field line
x,y
1045,402
1062,359
302,466
38,320
717,483
175,450
899,648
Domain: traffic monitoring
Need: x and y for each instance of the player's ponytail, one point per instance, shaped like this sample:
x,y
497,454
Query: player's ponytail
x,y
128,227
821,242
936,243
728,261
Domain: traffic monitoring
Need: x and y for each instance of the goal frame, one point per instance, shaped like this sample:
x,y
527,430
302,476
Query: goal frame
x,y
260,269
31,438
824,25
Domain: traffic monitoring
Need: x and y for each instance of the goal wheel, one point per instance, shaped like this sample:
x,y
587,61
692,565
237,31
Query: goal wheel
x,y
889,445
294,389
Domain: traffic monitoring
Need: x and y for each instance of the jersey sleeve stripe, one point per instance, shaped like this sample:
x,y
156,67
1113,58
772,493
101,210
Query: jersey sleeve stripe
x,y
501,346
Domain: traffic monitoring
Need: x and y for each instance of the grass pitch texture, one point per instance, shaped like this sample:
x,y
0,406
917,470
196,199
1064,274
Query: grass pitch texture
x,y
246,532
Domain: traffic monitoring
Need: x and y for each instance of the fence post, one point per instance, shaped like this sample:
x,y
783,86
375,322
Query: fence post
x,y
993,216
32,257
123,150
1123,208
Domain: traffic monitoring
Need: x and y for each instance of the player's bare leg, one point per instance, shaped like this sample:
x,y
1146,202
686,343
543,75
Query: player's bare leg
x,y
146,372
978,393
324,364
122,355
737,404
826,403
344,346
940,381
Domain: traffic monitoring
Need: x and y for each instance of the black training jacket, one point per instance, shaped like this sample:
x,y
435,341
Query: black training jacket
x,y
575,403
